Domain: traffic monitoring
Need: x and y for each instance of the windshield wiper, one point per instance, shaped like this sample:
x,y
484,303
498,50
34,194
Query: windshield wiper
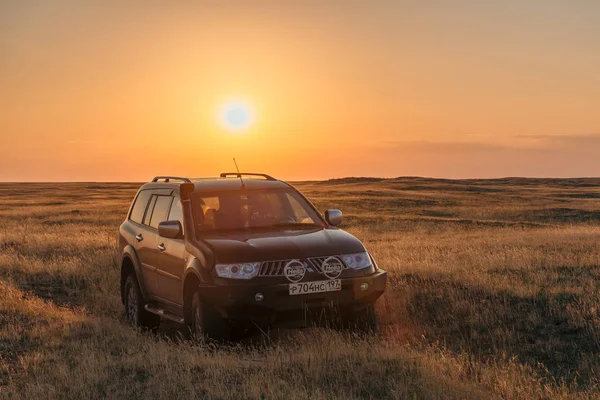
x,y
292,224
225,230
282,224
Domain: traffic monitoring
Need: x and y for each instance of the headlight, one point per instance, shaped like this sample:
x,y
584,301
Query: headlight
x,y
238,271
357,260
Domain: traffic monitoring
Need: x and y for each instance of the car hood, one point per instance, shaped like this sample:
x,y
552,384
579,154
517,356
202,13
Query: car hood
x,y
281,245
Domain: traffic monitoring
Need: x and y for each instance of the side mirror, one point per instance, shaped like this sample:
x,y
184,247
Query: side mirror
x,y
333,217
170,229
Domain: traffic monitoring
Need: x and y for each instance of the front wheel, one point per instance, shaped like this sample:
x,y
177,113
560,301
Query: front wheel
x,y
135,313
206,322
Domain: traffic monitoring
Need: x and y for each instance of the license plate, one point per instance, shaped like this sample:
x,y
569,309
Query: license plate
x,y
331,285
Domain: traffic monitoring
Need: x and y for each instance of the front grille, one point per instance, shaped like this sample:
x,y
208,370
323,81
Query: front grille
x,y
272,268
275,268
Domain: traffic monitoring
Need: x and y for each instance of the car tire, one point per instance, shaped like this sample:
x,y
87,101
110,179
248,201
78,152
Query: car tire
x,y
364,320
135,312
206,322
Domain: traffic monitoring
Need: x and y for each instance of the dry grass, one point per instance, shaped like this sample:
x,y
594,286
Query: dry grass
x,y
493,292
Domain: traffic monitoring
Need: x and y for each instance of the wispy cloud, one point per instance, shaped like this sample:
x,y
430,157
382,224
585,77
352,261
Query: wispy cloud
x,y
524,155
517,141
583,139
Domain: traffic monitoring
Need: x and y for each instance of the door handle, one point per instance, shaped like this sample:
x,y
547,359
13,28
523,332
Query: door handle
x,y
162,247
139,237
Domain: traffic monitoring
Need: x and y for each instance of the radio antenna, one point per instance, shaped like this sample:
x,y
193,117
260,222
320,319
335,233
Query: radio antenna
x,y
239,174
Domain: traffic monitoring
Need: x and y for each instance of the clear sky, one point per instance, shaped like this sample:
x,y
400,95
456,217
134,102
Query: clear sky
x,y
124,90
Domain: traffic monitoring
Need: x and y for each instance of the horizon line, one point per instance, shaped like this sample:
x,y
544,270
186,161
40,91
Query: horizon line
x,y
337,179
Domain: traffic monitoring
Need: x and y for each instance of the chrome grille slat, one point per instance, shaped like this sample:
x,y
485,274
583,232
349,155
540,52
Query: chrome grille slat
x,y
317,262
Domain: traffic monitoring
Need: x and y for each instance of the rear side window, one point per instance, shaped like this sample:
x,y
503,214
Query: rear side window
x,y
161,210
137,213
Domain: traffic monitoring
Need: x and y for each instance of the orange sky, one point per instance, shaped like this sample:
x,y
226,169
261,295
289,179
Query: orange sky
x,y
108,91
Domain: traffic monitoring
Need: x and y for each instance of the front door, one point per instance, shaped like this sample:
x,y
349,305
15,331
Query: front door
x,y
172,261
148,248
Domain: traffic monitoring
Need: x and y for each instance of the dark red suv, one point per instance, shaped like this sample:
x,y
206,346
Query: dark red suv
x,y
240,250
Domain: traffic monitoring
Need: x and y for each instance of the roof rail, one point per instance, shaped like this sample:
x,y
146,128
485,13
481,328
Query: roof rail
x,y
171,178
240,174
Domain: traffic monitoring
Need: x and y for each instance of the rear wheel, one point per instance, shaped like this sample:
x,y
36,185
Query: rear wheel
x,y
206,322
135,313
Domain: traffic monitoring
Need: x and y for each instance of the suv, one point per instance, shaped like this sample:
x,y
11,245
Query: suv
x,y
240,250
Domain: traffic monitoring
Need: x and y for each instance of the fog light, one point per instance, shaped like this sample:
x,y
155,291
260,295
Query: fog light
x,y
364,286
259,297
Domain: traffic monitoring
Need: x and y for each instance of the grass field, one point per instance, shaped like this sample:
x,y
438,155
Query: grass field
x,y
492,293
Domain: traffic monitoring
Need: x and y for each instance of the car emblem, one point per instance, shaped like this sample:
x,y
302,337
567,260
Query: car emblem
x,y
294,271
332,267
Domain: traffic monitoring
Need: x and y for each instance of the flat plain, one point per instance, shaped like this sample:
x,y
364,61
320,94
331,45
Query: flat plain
x,y
492,293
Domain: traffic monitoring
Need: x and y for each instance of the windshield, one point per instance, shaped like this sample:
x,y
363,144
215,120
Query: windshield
x,y
251,208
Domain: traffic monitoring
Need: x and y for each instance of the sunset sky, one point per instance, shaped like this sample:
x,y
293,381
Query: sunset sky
x,y
123,91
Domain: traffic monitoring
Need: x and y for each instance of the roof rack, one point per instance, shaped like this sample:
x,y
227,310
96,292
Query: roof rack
x,y
240,174
171,178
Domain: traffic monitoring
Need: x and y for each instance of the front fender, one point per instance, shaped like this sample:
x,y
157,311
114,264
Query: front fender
x,y
194,269
194,266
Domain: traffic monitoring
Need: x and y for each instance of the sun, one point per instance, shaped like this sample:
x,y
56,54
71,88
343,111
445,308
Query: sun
x,y
236,115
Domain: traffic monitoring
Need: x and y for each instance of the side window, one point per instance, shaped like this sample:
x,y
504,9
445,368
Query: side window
x,y
176,213
137,213
161,210
149,210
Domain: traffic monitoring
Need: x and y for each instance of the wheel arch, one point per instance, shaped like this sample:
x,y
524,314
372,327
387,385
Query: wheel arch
x,y
191,281
130,264
194,275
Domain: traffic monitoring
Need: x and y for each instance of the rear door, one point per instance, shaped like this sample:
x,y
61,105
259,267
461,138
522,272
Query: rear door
x,y
171,259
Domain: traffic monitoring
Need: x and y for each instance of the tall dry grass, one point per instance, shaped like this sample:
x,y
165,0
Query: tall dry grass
x,y
493,292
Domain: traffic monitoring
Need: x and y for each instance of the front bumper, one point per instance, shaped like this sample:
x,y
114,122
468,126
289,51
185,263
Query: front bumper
x,y
237,302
